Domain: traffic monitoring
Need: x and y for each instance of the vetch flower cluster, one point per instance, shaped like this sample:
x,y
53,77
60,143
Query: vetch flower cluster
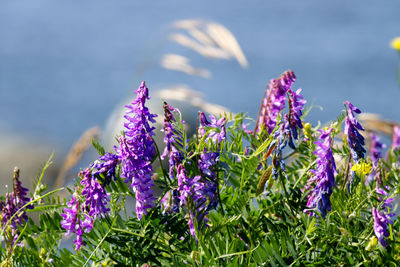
x,y
381,225
296,105
74,221
96,198
215,133
383,217
283,137
20,192
274,100
396,138
86,205
323,179
191,196
15,202
387,201
288,130
354,139
174,146
134,154
376,154
137,151
376,148
173,139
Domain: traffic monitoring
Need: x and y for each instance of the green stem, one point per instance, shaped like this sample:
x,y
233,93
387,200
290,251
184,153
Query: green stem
x,y
102,240
166,177
286,193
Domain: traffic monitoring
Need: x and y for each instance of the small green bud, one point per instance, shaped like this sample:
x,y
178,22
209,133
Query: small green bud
x,y
264,178
307,131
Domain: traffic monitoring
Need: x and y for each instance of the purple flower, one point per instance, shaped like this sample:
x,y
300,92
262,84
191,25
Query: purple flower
x,y
381,224
382,218
396,137
324,176
93,192
388,201
170,202
13,204
137,151
186,185
20,192
354,139
106,165
210,192
70,216
214,135
376,148
79,217
287,130
376,154
173,140
244,128
71,221
208,160
283,137
274,100
191,196
296,105
9,209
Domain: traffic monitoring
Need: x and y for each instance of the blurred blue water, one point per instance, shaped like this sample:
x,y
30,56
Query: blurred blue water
x,y
65,65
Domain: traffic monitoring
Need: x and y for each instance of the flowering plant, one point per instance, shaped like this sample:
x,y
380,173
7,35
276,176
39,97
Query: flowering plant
x,y
286,193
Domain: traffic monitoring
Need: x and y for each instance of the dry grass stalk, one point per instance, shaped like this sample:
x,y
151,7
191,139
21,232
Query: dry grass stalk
x,y
76,153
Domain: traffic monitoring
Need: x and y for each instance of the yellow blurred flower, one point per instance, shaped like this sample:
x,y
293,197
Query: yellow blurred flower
x,y
362,169
372,243
395,43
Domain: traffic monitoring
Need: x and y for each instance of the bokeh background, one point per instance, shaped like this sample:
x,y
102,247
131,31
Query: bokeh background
x,y
66,65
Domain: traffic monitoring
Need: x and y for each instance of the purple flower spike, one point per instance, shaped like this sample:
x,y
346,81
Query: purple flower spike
x,y
396,137
13,204
354,139
284,137
324,176
191,196
173,140
96,198
381,224
137,151
72,222
296,105
20,192
274,100
376,148
79,217
376,154
70,216
9,209
382,218
209,160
